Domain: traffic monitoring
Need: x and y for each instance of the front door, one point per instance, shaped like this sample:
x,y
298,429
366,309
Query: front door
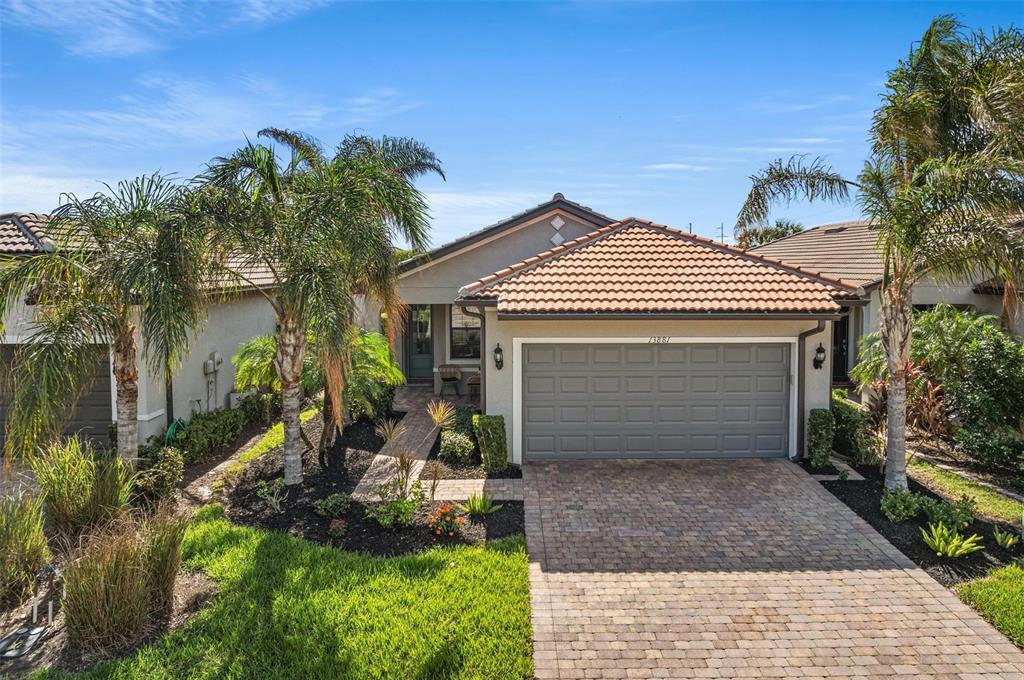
x,y
419,344
841,350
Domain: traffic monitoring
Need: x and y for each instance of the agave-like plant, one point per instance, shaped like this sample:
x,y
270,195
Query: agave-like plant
x,y
1007,540
389,429
948,542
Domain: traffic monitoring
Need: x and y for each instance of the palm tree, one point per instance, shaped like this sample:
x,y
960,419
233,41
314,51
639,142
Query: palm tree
x,y
316,228
941,185
754,236
126,264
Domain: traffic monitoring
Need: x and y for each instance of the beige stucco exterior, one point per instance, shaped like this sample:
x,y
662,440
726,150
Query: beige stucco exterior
x,y
499,384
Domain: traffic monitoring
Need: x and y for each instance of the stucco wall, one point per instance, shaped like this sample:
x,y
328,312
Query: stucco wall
x,y
499,390
439,281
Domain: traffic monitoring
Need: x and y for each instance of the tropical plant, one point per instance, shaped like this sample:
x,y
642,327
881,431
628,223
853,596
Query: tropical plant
x,y
273,493
444,521
23,548
389,428
441,412
399,503
900,505
948,542
479,505
322,229
957,515
943,184
1007,540
435,472
335,505
123,264
754,236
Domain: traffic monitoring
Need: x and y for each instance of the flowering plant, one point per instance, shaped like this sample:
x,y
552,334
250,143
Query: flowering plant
x,y
337,528
444,522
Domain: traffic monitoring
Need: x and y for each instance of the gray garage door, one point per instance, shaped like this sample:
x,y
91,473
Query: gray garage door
x,y
91,416
655,401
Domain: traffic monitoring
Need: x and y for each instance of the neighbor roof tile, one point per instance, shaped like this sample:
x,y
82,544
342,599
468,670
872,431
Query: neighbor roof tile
x,y
636,266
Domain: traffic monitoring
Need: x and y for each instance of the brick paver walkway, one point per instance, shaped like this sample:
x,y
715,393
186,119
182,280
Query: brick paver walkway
x,y
461,489
724,569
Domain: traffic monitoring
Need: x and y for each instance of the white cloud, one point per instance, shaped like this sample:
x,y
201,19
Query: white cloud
x,y
376,104
677,166
127,27
786,103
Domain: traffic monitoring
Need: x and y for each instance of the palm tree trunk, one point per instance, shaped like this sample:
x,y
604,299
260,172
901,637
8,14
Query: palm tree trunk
x,y
126,373
291,348
1011,308
895,331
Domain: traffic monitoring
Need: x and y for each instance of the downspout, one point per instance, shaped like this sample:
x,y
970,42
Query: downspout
x,y
483,355
801,360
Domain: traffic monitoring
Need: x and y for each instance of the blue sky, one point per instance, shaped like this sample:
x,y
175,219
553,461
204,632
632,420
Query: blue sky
x,y
658,110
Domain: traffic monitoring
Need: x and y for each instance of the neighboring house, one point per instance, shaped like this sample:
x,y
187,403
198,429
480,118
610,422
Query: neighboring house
x,y
848,251
196,386
624,338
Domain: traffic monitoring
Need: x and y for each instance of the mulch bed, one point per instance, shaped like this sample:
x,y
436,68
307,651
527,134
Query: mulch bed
x,y
474,470
829,469
864,498
347,460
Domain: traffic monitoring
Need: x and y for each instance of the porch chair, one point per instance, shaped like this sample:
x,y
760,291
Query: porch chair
x,y
451,376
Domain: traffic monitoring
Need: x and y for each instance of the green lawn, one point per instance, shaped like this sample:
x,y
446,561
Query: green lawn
x,y
287,608
270,440
999,597
990,504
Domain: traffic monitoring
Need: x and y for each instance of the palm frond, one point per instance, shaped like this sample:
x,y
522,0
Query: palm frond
x,y
786,181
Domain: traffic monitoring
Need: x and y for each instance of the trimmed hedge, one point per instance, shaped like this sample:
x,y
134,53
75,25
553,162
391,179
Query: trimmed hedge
x,y
456,447
490,433
206,432
820,432
851,437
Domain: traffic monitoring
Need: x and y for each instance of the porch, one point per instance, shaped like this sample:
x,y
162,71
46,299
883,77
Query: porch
x,y
441,341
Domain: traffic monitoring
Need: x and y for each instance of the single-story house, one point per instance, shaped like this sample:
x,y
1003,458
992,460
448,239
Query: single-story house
x,y
203,381
596,337
848,251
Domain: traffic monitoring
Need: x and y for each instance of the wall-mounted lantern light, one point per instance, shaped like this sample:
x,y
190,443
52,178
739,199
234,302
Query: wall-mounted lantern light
x,y
499,357
819,356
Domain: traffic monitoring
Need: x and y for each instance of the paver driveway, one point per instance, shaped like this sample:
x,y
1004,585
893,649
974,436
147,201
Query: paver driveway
x,y
644,569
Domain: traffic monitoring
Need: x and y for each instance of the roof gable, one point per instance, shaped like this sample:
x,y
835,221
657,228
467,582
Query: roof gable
x,y
638,267
557,202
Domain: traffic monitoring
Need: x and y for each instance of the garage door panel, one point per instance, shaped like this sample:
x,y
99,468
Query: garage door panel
x,y
686,400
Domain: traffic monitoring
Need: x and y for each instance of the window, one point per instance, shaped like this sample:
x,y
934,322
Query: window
x,y
465,335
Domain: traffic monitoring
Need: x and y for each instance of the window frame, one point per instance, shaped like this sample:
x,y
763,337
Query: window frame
x,y
451,334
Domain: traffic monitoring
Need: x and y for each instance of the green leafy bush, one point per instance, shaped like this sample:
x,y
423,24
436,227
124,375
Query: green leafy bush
x,y
1007,540
456,447
479,505
463,421
490,434
160,472
900,505
852,435
956,515
820,429
273,493
335,505
947,542
398,504
991,448
23,548
262,408
80,487
209,431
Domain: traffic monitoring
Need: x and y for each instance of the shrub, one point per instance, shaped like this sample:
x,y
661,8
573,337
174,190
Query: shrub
x,y
900,505
80,488
389,428
479,505
262,408
161,535
456,447
852,436
398,504
335,505
819,437
442,413
106,595
444,521
273,493
490,434
956,515
160,473
209,431
337,528
23,548
463,421
991,448
1006,540
948,542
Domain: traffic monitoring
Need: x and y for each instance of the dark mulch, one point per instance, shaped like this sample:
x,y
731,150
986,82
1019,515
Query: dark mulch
x,y
829,469
346,462
472,470
865,497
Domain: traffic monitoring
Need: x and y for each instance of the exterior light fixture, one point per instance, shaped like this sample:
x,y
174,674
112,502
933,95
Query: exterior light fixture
x,y
819,356
499,357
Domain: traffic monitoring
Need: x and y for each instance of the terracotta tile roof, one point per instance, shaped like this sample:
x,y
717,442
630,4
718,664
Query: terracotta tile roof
x,y
636,266
22,233
844,250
